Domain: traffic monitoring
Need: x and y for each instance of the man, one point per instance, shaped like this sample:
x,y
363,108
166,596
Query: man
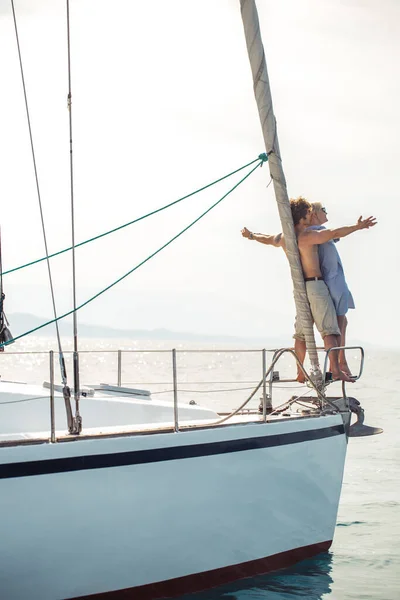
x,y
321,304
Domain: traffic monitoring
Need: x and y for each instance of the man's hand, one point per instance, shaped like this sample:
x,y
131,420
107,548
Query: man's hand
x,y
366,223
246,233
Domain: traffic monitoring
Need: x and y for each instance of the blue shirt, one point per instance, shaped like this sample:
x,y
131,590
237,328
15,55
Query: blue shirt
x,y
333,274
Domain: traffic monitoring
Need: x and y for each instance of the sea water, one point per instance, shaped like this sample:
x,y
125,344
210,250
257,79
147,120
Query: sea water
x,y
364,560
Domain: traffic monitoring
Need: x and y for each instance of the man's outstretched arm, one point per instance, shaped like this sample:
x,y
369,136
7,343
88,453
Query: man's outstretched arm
x,y
311,237
270,240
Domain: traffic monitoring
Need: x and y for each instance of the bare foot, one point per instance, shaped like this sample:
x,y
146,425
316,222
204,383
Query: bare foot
x,y
345,368
300,377
342,376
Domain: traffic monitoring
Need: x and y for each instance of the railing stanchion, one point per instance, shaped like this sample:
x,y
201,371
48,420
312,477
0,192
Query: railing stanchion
x,y
175,381
52,412
271,375
264,370
119,383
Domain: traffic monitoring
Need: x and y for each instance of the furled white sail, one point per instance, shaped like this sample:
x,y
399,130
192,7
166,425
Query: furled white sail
x,y
262,93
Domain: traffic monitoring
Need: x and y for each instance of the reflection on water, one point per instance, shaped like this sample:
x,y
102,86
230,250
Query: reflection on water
x,y
309,579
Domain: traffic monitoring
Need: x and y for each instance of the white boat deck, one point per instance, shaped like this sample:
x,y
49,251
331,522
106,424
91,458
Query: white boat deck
x,y
25,414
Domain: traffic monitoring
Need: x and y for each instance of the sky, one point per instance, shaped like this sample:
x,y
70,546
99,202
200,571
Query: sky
x,y
162,104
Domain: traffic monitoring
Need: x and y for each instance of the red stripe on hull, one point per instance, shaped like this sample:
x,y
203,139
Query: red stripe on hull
x,y
209,579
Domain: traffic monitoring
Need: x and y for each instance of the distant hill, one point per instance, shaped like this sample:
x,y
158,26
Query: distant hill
x,y
23,322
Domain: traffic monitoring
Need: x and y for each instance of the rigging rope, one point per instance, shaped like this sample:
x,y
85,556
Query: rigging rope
x,y
76,425
262,158
55,320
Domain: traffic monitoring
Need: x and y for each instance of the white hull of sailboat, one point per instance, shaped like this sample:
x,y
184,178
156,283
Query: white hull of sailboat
x,y
157,515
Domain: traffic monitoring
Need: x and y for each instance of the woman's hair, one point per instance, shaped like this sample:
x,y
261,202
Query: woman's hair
x,y
300,207
315,206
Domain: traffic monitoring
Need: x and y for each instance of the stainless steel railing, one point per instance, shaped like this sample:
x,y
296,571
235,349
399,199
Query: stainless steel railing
x,y
269,377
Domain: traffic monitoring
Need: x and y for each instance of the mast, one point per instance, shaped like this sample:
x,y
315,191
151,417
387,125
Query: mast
x,y
263,96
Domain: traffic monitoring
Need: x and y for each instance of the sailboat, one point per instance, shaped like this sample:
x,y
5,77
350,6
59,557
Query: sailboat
x,y
144,499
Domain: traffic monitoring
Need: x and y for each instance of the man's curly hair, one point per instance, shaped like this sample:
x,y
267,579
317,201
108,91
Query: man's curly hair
x,y
300,207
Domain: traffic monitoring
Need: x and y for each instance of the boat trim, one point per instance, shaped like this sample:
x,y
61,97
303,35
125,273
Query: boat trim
x,y
197,582
140,457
